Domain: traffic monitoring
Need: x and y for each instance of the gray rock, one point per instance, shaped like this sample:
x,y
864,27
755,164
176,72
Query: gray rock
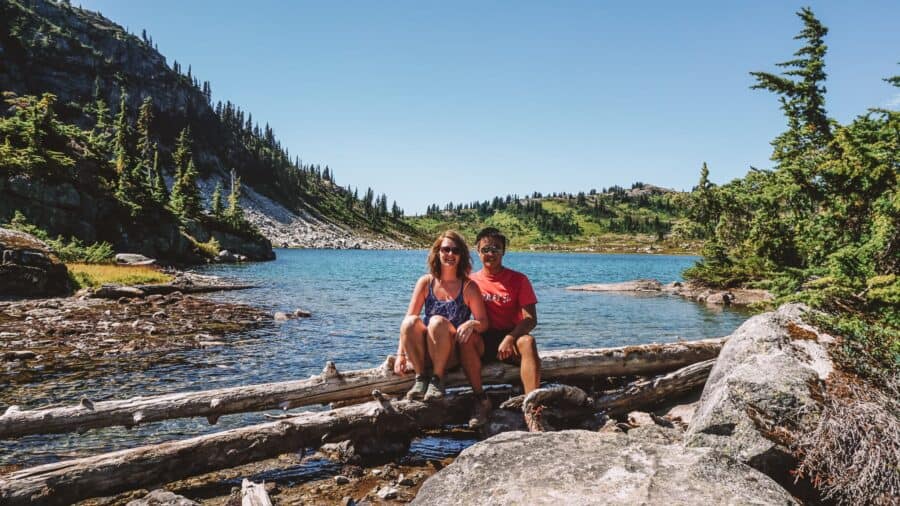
x,y
763,366
161,497
637,285
133,259
581,467
300,313
280,316
29,268
387,493
341,480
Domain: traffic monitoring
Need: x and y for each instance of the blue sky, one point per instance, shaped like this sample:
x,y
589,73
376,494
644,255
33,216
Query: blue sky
x,y
431,102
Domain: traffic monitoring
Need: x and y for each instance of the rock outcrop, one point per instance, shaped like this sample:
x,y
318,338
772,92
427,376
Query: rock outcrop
x,y
762,380
28,267
637,285
581,467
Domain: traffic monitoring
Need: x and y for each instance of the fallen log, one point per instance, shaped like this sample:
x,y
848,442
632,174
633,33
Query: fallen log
x,y
333,386
647,392
73,480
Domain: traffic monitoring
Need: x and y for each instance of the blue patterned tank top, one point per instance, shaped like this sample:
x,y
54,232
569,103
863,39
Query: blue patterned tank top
x,y
454,310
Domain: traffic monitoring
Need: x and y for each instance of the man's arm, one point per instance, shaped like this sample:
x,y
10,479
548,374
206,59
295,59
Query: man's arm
x,y
529,322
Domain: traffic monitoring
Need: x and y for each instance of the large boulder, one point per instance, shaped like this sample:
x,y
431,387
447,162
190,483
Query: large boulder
x,y
762,380
28,268
581,467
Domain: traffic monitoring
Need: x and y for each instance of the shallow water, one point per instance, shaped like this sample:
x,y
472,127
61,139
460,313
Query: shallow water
x,y
357,299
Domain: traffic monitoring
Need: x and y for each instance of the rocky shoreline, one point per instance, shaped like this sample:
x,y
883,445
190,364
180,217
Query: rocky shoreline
x,y
37,335
741,297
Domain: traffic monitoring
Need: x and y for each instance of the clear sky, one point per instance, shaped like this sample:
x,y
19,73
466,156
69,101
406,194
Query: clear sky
x,y
431,102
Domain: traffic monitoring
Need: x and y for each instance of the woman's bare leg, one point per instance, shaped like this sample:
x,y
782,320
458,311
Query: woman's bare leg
x,y
412,338
440,343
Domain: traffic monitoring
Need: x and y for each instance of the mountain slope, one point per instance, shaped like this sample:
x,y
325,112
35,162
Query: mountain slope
x,y
85,59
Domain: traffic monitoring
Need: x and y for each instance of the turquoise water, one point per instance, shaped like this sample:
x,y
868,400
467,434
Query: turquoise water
x,y
357,299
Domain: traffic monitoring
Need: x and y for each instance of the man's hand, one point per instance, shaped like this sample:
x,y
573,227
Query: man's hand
x,y
507,348
464,331
400,365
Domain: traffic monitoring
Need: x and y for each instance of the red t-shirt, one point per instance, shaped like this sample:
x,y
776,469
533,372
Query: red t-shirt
x,y
504,296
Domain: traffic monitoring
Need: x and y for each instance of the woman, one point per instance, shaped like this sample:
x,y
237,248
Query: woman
x,y
450,299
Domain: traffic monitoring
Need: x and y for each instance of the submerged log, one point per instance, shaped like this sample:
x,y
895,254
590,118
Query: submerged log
x,y
647,392
73,480
333,386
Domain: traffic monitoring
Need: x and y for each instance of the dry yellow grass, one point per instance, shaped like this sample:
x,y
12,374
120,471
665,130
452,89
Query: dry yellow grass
x,y
95,275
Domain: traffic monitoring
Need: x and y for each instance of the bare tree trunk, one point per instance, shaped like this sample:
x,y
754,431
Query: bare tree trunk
x,y
110,473
332,386
73,480
647,392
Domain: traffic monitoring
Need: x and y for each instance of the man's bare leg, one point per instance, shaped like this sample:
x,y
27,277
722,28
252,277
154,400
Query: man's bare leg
x,y
470,357
530,370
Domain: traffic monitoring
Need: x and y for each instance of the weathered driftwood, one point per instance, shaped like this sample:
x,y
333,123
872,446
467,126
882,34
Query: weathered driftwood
x,y
254,494
647,392
332,386
73,480
110,473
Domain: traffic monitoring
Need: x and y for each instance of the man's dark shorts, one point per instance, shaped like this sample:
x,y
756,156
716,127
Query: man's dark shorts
x,y
492,339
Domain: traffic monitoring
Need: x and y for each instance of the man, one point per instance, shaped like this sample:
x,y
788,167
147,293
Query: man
x,y
511,308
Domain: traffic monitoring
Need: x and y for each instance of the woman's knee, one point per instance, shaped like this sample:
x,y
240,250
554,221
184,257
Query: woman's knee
x,y
438,322
410,322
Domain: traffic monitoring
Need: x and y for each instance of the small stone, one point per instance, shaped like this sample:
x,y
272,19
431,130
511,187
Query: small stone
x,y
376,472
123,300
348,501
405,481
387,493
160,315
299,313
341,479
280,316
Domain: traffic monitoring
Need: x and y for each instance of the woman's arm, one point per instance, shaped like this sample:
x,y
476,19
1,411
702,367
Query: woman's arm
x,y
480,322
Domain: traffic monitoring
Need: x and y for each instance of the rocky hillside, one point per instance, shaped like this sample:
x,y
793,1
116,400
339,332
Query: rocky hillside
x,y
86,60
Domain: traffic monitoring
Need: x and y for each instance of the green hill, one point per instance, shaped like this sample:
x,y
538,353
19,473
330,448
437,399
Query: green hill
x,y
644,218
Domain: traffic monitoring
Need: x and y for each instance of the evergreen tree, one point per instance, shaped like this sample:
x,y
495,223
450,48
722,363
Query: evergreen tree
x,y
122,140
216,205
158,189
235,213
144,143
185,197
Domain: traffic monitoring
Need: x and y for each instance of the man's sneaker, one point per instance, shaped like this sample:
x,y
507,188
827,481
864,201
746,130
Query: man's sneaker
x,y
533,419
417,392
435,389
480,414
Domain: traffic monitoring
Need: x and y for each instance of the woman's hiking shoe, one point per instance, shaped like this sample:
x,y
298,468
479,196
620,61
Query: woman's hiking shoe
x,y
435,389
417,392
480,414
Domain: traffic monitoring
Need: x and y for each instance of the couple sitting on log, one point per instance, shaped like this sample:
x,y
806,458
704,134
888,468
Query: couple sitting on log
x,y
469,320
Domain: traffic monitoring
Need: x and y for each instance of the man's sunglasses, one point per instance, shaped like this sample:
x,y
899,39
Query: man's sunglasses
x,y
449,249
487,250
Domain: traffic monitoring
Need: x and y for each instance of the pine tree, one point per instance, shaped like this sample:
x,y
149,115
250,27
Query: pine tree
x,y
803,98
185,198
122,140
158,189
144,143
216,206
235,213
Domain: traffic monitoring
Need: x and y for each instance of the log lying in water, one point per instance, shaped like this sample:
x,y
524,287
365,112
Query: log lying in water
x,y
73,480
110,473
332,386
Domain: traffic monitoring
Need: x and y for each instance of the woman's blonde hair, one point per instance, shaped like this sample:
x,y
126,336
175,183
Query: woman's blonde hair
x,y
463,268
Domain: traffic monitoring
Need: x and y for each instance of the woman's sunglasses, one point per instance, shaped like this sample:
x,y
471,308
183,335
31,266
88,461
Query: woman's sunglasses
x,y
449,249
